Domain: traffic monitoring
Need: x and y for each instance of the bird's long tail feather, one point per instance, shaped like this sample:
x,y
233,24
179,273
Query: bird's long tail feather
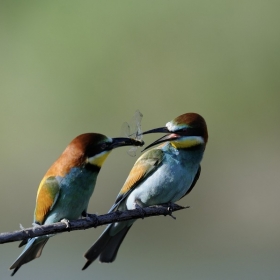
x,y
106,247
32,251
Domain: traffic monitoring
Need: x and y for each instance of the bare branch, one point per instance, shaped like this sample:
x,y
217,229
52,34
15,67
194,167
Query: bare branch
x,y
89,222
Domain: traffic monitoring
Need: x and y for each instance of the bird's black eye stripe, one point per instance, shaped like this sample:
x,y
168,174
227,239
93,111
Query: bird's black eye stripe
x,y
190,131
183,129
96,149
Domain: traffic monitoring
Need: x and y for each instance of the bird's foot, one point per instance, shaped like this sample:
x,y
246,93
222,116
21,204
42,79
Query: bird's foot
x,y
87,215
35,225
140,209
84,214
66,222
170,206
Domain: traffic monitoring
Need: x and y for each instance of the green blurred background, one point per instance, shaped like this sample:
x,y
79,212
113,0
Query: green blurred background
x,y
69,67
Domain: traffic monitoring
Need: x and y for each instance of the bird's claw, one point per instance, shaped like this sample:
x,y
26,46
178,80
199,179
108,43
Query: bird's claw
x,y
35,225
66,222
170,214
85,214
170,206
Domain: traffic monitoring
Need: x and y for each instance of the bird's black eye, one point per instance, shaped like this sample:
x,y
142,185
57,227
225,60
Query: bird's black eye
x,y
103,146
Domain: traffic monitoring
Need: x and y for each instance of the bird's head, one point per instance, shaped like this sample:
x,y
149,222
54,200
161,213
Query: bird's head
x,y
95,147
90,150
185,131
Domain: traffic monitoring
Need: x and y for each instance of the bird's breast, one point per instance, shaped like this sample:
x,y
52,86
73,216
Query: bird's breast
x,y
168,183
76,188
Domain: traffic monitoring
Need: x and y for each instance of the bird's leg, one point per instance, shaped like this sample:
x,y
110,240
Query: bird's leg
x,y
138,206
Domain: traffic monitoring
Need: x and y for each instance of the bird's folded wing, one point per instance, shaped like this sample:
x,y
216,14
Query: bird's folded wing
x,y
143,168
47,195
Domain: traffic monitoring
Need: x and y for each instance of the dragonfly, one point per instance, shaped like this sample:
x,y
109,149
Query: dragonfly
x,y
133,130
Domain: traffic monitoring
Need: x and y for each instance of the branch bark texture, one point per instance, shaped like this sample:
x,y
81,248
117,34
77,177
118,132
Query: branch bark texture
x,y
89,222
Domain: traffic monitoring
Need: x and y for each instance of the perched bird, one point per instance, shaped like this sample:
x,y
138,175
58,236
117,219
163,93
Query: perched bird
x,y
66,188
162,175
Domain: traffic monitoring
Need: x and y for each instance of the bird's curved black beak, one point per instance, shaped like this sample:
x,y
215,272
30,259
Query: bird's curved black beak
x,y
123,141
170,136
157,130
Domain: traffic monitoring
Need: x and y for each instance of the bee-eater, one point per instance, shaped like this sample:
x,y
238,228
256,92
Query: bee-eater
x,y
66,188
162,175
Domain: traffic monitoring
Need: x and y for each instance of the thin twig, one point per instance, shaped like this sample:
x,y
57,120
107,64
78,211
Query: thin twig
x,y
89,222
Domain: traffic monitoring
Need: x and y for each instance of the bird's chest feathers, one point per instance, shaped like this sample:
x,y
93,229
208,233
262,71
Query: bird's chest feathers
x,y
79,181
170,181
174,176
76,188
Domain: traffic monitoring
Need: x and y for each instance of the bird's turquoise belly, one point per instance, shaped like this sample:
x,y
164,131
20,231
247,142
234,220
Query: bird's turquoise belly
x,y
76,190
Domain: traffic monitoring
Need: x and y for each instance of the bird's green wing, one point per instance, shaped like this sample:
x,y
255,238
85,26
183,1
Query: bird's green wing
x,y
47,196
143,168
